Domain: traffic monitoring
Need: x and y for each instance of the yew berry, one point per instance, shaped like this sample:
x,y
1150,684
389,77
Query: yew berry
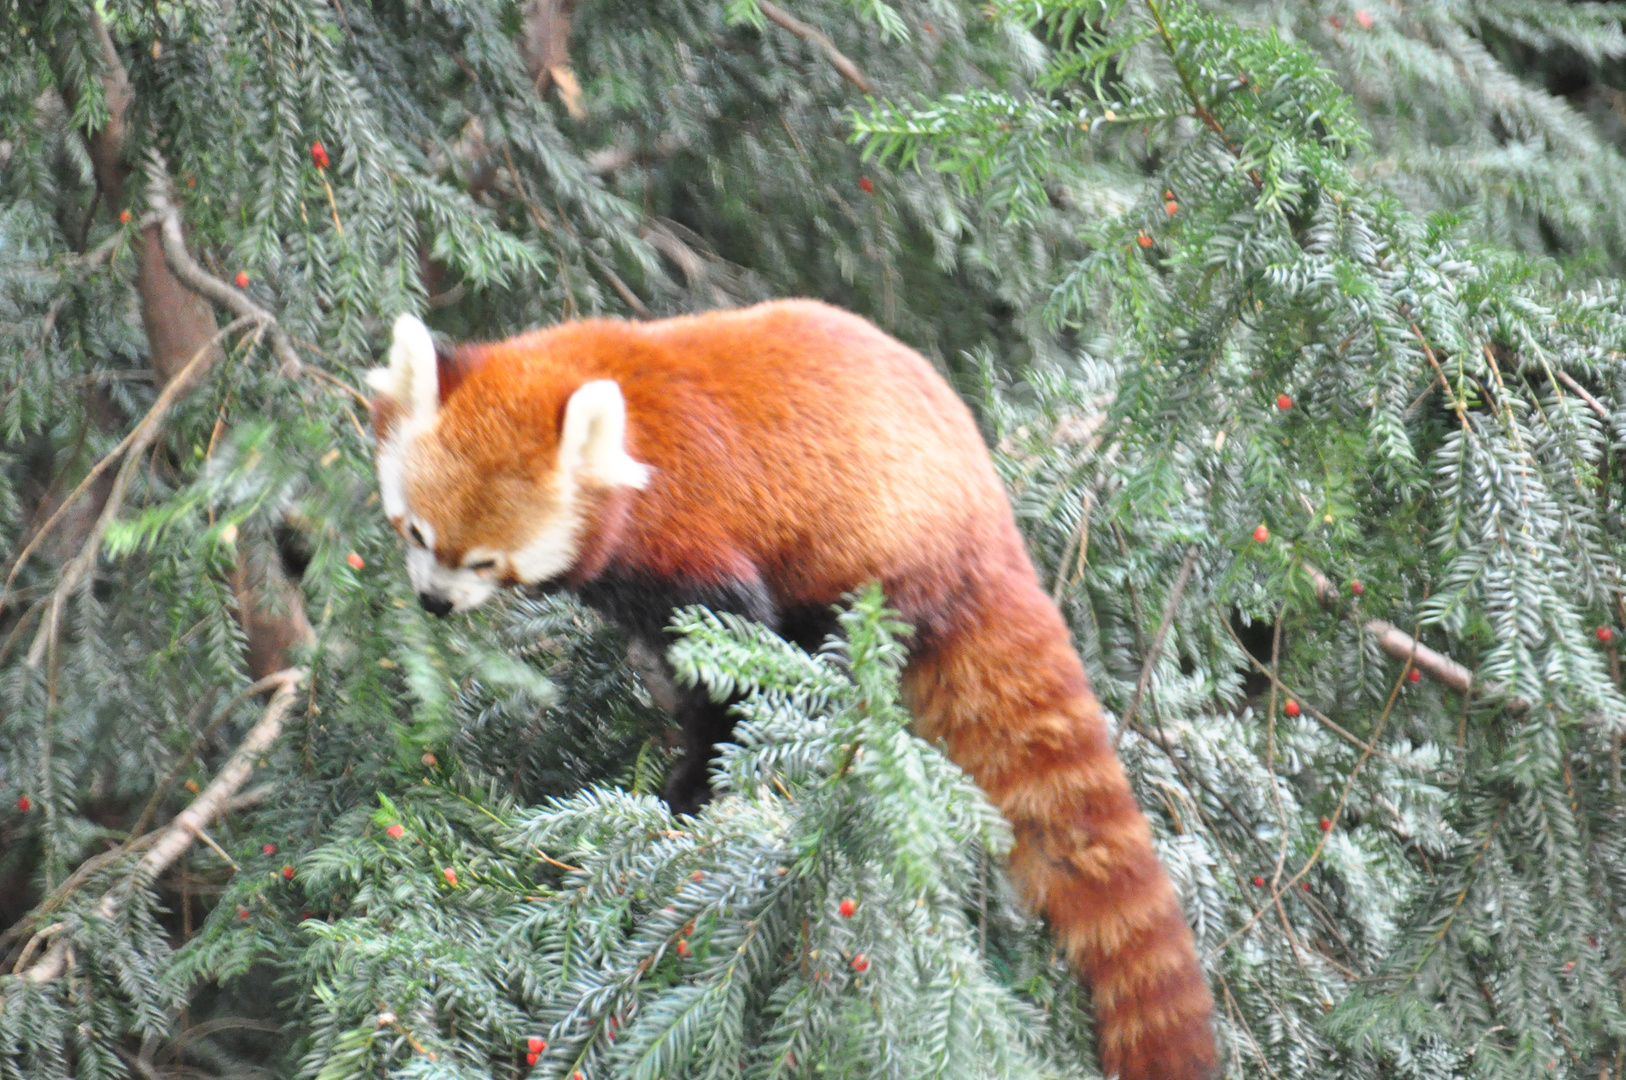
x,y
356,561
429,759
860,962
319,155
1305,885
848,907
1291,708
1143,240
241,279
24,804
1258,882
1337,23
1605,634
1283,402
866,185
536,1044
698,875
269,849
532,1058
450,875
1261,534
1167,194
1356,588
288,873
395,832
124,217
1326,824
1171,207
1414,675
242,913
1365,19
683,948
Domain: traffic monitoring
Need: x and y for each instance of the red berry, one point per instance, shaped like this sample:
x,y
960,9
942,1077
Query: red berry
x,y
242,913
577,1075
450,875
1356,588
241,279
1569,966
1283,402
288,873
429,759
319,155
866,185
536,1044
1365,19
1258,882
191,181
356,561
860,962
24,804
848,907
1337,23
1605,634
1291,708
124,217
1261,534
698,875
1167,194
1326,824
682,948
1414,675
531,1058
1305,885
396,831
1143,240
1171,207
269,849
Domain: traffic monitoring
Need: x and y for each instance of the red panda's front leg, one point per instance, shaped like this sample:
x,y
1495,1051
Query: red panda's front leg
x,y
642,605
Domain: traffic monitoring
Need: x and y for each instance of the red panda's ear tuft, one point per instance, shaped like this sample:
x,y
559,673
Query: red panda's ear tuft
x,y
412,380
593,440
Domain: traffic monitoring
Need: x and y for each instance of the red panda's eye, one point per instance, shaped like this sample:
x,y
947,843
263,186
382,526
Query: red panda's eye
x,y
415,536
480,564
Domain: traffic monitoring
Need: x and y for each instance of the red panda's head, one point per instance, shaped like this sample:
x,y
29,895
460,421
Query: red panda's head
x,y
488,484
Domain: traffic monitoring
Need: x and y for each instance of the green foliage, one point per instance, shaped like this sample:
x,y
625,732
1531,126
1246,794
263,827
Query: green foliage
x,y
1127,229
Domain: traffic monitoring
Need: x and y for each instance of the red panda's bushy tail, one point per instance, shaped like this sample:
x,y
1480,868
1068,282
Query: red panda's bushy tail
x,y
1008,694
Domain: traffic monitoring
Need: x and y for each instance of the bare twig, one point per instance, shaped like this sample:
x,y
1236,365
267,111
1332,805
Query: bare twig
x,y
190,823
1402,646
1581,392
784,19
1157,642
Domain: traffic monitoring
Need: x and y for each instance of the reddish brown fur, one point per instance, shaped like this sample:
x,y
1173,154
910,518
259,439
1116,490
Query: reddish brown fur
x,y
797,446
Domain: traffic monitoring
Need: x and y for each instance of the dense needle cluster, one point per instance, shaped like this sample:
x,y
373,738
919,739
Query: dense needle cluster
x,y
1295,329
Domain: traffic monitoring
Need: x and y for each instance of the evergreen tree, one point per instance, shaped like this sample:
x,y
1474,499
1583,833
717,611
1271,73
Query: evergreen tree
x,y
1295,333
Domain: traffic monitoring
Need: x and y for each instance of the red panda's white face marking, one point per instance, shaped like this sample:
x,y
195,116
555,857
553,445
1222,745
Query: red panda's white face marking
x,y
472,526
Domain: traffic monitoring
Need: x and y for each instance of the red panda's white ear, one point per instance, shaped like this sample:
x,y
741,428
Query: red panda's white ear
x,y
411,380
594,438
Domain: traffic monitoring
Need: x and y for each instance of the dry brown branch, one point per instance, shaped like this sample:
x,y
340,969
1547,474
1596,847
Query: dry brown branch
x,y
1402,646
190,823
784,19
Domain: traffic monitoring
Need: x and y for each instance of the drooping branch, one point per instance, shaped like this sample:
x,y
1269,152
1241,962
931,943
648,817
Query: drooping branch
x,y
190,823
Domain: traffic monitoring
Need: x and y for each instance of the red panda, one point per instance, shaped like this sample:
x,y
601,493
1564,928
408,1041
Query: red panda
x,y
766,462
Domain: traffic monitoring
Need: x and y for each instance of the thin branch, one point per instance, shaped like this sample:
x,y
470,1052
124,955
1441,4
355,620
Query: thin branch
x,y
1581,392
1157,642
190,823
1402,646
132,447
784,19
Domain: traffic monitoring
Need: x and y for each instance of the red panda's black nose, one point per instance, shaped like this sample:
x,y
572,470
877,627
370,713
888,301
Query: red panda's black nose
x,y
435,605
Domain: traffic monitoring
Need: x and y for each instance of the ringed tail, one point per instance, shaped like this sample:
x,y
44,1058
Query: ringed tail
x,y
1008,695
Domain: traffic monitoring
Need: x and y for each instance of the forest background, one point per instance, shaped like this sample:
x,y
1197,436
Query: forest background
x,y
1296,329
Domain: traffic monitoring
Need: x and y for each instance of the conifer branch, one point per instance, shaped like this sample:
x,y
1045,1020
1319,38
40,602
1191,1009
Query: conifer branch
x,y
1150,661
189,824
838,60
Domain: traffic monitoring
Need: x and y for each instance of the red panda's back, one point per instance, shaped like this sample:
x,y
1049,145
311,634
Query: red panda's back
x,y
824,451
